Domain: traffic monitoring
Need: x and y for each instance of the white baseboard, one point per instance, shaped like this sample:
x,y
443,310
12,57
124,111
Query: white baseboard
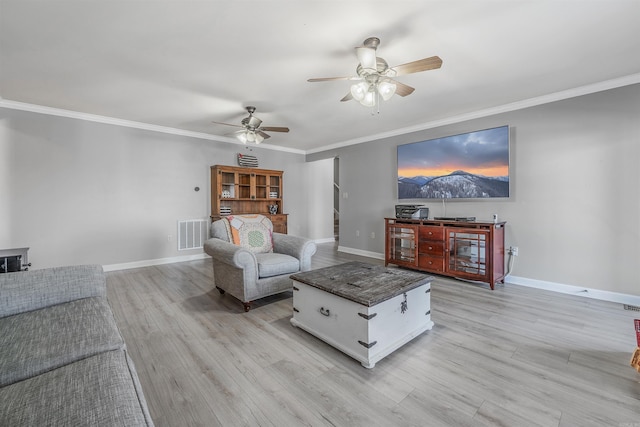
x,y
151,262
575,290
325,240
360,252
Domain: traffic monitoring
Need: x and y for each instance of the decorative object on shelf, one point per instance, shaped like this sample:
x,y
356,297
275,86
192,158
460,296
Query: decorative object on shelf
x,y
252,131
226,194
273,209
273,195
247,160
375,77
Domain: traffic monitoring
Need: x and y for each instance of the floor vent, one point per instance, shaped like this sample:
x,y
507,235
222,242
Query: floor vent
x,y
192,233
631,307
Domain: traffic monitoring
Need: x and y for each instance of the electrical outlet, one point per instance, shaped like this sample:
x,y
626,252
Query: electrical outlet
x,y
514,250
373,235
169,238
357,233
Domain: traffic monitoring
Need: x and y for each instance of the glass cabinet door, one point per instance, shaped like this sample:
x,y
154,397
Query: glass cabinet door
x,y
402,244
244,186
468,252
275,187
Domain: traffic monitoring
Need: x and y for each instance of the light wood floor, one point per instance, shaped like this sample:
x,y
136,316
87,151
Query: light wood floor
x,y
514,356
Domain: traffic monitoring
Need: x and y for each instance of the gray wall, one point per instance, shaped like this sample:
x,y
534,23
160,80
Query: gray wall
x,y
575,200
77,191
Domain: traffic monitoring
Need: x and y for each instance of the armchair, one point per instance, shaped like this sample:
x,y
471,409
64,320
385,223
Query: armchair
x,y
249,273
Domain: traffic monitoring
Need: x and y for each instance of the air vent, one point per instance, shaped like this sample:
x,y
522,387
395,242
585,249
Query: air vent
x,y
192,233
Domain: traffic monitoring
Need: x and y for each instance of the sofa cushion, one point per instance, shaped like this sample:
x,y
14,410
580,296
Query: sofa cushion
x,y
101,390
274,264
34,289
252,232
39,341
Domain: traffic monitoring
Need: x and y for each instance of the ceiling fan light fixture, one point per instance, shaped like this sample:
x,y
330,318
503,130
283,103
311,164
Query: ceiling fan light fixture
x,y
242,137
386,89
259,138
369,99
367,57
359,91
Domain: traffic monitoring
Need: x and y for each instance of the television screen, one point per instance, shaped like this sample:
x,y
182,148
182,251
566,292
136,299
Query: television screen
x,y
466,166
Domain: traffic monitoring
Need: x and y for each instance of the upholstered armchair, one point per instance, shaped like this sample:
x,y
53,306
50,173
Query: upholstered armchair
x,y
250,261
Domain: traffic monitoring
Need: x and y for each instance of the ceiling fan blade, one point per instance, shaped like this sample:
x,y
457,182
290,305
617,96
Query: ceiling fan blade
x,y
275,128
264,135
347,97
417,66
328,79
403,89
227,124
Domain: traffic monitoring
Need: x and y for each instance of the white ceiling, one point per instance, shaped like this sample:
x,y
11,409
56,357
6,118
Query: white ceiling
x,y
181,64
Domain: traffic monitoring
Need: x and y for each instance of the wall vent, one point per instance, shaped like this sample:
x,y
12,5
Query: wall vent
x,y
192,233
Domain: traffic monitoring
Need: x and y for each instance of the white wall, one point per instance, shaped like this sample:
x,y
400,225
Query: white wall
x,y
575,203
320,199
77,192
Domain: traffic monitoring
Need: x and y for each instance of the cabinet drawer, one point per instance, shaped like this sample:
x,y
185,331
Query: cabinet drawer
x,y
431,233
430,247
431,263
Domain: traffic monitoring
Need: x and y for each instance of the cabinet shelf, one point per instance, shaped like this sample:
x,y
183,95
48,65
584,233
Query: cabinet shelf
x,y
237,190
466,250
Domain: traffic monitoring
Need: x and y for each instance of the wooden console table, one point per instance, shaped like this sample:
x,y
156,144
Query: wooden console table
x,y
471,250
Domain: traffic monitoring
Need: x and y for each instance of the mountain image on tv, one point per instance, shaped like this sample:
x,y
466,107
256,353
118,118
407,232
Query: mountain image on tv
x,y
466,166
458,184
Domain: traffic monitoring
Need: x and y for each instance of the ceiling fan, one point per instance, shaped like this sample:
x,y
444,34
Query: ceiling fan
x,y
376,77
252,131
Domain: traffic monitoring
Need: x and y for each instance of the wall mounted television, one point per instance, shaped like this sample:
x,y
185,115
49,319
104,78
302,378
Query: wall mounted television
x,y
471,165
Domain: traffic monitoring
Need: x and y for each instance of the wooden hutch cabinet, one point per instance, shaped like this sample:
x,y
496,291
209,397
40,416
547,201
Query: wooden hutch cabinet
x,y
237,190
471,250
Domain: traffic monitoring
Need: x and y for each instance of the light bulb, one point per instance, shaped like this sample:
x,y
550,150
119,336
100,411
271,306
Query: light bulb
x,y
251,137
259,138
242,137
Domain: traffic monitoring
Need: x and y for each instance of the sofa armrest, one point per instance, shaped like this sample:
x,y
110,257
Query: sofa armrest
x,y
231,254
34,289
297,247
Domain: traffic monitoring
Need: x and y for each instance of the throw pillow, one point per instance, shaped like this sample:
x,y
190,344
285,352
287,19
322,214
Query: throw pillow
x,y
252,232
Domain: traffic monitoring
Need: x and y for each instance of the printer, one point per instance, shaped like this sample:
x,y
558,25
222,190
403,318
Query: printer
x,y
412,212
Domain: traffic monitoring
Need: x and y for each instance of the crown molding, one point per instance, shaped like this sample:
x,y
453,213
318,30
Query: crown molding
x,y
15,105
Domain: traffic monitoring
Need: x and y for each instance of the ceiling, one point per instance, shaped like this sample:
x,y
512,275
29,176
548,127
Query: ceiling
x,y
181,64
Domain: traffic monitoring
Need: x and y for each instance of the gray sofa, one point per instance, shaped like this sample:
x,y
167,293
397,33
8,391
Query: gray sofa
x,y
63,361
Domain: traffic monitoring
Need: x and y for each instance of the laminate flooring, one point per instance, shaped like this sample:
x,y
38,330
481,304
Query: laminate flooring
x,y
514,356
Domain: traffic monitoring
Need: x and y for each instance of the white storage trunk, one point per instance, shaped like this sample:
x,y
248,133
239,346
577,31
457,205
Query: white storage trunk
x,y
370,321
